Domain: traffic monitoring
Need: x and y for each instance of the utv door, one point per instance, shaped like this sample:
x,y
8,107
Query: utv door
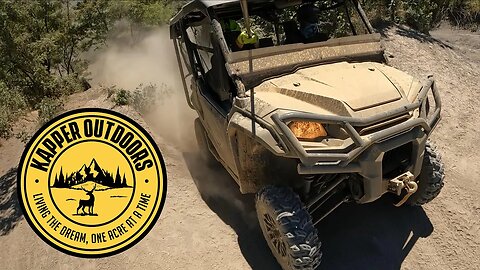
x,y
211,87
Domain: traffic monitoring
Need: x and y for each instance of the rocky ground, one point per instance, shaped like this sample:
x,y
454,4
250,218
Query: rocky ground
x,y
208,224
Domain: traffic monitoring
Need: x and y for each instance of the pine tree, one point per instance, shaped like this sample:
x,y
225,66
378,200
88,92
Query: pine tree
x,y
78,178
61,180
72,179
118,179
55,184
124,181
108,179
67,181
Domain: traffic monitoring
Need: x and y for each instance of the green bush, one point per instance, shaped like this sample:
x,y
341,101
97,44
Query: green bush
x,y
5,125
143,99
48,108
122,97
424,14
146,97
142,12
12,104
464,13
419,14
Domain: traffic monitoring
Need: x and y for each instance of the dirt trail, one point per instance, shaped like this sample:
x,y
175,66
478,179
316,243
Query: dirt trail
x,y
208,224
450,55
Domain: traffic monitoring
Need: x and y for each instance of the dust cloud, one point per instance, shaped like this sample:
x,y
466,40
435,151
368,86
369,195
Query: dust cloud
x,y
149,58
142,57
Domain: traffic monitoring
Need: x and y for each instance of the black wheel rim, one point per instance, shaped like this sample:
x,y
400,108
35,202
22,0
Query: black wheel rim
x,y
274,235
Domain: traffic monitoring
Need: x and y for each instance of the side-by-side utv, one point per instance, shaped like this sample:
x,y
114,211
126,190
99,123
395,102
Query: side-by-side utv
x,y
306,124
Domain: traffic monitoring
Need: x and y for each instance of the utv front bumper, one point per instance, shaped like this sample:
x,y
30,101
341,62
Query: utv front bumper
x,y
366,154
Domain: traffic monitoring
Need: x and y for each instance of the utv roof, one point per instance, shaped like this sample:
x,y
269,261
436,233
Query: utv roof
x,y
232,8
218,5
211,3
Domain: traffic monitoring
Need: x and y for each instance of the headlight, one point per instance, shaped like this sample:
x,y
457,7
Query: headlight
x,y
307,131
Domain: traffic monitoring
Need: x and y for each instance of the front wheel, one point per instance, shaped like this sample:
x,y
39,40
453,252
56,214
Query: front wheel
x,y
430,180
288,229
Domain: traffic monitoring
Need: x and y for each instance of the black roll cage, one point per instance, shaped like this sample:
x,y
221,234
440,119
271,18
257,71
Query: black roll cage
x,y
198,13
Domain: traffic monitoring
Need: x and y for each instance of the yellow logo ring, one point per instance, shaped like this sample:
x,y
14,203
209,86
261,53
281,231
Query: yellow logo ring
x,y
92,183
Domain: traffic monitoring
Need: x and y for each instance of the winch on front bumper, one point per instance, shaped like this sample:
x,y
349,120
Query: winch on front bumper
x,y
380,155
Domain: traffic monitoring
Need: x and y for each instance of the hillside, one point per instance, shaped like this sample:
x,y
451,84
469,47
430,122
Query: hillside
x,y
208,224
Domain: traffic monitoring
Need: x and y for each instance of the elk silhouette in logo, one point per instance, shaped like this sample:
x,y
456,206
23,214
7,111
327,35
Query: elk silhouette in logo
x,y
87,203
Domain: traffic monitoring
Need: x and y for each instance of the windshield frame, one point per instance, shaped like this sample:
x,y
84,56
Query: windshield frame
x,y
243,64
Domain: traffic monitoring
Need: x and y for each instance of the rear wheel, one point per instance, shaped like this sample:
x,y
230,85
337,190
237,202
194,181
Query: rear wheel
x,y
288,229
430,180
202,141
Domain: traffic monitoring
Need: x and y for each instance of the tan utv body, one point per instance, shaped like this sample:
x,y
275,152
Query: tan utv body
x,y
375,122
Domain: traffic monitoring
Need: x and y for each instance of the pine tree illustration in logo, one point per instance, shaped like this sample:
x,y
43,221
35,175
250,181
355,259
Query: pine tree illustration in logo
x,y
90,189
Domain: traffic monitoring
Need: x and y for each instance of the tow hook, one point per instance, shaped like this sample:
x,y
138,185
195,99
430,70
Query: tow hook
x,y
404,181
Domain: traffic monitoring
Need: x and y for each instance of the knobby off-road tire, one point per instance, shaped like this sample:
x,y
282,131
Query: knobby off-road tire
x,y
430,180
288,228
202,141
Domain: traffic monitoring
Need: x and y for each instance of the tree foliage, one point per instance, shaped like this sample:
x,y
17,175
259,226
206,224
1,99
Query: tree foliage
x,y
145,12
425,14
42,41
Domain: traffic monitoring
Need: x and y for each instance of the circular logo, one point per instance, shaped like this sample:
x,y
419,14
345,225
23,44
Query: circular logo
x,y
92,182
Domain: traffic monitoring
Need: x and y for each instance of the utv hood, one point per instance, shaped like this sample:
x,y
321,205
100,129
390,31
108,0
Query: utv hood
x,y
341,88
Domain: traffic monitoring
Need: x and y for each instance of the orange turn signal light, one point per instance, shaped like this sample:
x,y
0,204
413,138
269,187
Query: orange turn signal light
x,y
308,131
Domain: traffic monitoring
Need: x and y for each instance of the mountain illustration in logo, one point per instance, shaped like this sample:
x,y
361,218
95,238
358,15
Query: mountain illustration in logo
x,y
93,173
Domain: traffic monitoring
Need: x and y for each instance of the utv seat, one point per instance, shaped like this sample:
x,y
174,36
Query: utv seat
x,y
292,34
265,42
217,77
